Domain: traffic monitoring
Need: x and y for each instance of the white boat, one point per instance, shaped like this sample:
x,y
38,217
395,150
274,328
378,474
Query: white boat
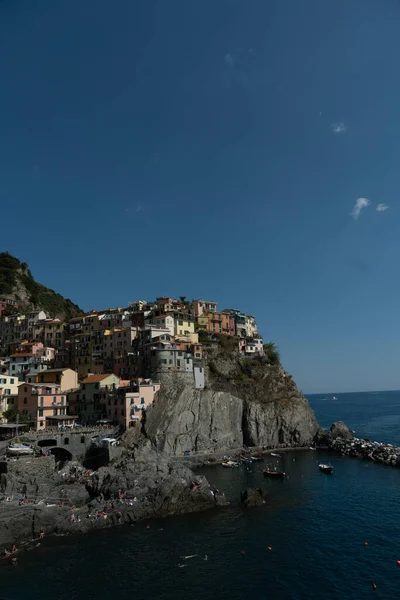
x,y
229,464
273,454
325,468
20,449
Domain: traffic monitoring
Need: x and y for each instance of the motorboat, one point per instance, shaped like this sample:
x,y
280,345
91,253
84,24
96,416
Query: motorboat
x,y
325,468
22,449
274,474
256,458
229,464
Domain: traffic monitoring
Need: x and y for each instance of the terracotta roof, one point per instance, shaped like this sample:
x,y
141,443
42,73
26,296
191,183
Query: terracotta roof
x,y
21,354
96,378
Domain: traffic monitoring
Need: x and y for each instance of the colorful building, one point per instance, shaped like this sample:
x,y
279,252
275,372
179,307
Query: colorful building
x,y
66,378
93,392
128,405
40,402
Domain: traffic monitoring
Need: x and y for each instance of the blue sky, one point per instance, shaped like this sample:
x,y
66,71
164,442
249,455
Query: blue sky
x,y
213,149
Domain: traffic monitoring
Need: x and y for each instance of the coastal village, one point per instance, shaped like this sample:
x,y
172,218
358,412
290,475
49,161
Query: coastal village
x,y
106,366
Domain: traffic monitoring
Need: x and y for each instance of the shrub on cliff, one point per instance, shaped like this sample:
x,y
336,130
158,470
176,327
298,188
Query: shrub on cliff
x,y
271,352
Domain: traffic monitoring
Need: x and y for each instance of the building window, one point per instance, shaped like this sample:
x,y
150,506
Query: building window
x,y
41,401
40,412
54,399
141,400
25,401
25,389
11,381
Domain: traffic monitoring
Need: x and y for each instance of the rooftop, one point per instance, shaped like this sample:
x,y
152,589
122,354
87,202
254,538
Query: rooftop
x,y
61,370
97,378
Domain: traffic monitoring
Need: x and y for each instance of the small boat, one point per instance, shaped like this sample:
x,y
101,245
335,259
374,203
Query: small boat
x,y
325,468
311,448
229,464
20,449
275,474
256,458
273,454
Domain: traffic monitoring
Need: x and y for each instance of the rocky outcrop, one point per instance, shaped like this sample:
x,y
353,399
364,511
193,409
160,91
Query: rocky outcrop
x,y
263,410
72,501
340,430
183,418
288,421
253,497
360,448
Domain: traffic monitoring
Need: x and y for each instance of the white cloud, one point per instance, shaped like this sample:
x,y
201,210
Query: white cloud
x,y
229,59
339,128
358,207
382,207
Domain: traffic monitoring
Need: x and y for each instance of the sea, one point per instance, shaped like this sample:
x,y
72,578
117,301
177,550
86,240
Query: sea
x,y
325,537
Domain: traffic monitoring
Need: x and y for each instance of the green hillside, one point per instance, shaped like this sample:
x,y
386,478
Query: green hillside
x,y
17,283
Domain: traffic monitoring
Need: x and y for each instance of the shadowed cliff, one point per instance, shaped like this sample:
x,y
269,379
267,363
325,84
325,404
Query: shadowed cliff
x,y
246,401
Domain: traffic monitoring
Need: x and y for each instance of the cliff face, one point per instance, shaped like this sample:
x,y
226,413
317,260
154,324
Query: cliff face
x,y
245,402
17,284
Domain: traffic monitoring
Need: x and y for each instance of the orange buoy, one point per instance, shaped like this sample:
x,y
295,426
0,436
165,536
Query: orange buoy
x,y
269,548
398,562
365,543
374,586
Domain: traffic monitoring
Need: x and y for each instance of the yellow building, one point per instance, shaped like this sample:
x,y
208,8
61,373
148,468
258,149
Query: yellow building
x,y
66,378
183,325
202,322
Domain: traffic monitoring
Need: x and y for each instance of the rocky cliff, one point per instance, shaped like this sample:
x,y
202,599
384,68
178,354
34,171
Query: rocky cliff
x,y
69,501
17,284
246,401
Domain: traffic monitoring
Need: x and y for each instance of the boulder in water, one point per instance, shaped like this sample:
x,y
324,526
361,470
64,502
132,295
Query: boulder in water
x,y
253,497
339,429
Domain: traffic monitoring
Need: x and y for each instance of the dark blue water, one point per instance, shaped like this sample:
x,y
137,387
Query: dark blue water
x,y
315,524
372,415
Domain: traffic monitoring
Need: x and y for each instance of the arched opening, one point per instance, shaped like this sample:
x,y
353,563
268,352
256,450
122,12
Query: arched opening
x,y
61,454
44,443
66,441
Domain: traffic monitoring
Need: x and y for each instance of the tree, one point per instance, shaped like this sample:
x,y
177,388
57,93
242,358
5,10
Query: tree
x,y
11,416
271,352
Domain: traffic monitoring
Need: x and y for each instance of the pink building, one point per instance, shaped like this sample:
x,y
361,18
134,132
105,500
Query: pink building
x,y
129,412
43,404
251,346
